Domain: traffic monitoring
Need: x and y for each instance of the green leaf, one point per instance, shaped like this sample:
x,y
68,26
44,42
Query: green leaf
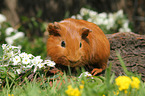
x,y
3,69
39,13
102,78
3,76
108,75
97,80
54,77
112,78
25,19
11,74
123,65
1,52
26,74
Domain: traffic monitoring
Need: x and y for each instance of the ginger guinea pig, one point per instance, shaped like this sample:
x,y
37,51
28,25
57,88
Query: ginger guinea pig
x,y
78,43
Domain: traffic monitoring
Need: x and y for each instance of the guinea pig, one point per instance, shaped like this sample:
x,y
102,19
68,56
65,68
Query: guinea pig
x,y
77,43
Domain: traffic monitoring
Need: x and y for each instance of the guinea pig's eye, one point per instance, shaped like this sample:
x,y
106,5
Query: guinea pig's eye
x,y
80,44
62,44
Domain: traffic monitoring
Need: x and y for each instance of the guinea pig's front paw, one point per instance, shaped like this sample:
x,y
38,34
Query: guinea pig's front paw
x,y
95,71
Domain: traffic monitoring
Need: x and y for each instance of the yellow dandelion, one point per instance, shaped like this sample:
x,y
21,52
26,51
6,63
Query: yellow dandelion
x,y
73,91
10,94
81,86
116,93
125,91
82,82
135,82
69,87
123,82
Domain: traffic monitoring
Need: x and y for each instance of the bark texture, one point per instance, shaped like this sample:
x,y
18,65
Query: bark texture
x,y
131,46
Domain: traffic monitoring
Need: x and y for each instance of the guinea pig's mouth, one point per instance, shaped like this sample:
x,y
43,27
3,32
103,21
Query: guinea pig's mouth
x,y
65,61
73,63
76,63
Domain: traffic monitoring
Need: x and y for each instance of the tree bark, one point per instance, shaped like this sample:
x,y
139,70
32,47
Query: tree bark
x,y
131,46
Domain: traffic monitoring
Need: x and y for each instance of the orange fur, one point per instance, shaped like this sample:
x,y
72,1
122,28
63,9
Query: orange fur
x,y
95,48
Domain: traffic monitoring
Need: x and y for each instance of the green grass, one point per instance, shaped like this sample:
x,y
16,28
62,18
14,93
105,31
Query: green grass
x,y
99,86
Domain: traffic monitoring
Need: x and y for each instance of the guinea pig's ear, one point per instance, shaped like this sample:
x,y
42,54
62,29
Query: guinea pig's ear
x,y
53,29
85,32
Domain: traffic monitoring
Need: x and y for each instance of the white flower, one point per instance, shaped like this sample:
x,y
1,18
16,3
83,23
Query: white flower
x,y
19,71
90,20
74,17
124,30
121,30
4,46
18,35
105,22
37,60
16,50
79,16
111,23
27,66
14,47
51,64
9,47
86,74
92,14
110,15
25,60
125,27
128,30
16,60
9,30
2,18
103,15
34,61
99,21
40,65
35,69
23,55
38,57
47,61
10,54
9,40
126,23
84,11
119,13
29,55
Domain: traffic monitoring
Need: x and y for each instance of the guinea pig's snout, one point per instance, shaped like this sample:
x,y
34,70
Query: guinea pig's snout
x,y
73,57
